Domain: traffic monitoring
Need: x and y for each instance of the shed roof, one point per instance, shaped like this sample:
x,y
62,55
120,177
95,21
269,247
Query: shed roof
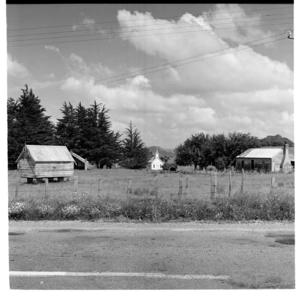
x,y
78,157
260,153
47,153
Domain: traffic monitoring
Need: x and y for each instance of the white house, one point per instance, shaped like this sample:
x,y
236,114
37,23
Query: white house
x,y
155,162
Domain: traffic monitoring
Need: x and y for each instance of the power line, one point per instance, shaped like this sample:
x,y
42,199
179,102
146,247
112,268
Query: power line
x,y
203,59
109,33
136,36
160,17
179,22
180,60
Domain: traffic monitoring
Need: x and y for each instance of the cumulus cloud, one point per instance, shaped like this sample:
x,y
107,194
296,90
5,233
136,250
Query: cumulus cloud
x,y
224,89
16,69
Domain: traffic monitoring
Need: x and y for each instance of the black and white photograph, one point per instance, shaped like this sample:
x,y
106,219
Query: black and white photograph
x,y
149,146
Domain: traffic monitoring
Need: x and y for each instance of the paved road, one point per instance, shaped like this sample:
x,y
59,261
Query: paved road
x,y
85,255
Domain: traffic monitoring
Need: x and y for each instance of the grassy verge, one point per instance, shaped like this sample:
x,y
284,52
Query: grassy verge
x,y
250,206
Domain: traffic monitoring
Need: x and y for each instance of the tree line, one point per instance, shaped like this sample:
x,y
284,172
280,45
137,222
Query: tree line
x,y
220,151
86,131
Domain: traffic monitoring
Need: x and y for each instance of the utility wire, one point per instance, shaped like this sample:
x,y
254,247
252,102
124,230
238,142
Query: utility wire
x,y
155,25
174,66
148,30
169,63
129,37
160,17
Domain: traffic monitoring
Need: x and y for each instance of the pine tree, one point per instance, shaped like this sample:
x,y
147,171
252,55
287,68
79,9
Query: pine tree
x,y
135,153
66,126
27,123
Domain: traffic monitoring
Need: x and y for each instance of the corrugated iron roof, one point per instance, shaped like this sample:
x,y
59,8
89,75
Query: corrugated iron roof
x,y
77,157
260,153
49,153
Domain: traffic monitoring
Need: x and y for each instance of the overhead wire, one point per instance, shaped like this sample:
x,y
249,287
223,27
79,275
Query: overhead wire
x,y
129,37
148,30
131,74
159,24
160,17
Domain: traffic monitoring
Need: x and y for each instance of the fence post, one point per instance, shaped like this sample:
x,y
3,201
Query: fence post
x,y
46,187
230,184
76,184
128,187
17,189
186,186
156,186
180,185
99,188
273,182
213,189
242,185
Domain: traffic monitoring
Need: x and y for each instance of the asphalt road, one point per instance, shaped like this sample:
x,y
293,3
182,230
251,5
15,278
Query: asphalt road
x,y
85,255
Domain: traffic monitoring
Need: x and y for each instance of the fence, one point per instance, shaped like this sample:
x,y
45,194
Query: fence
x,y
196,185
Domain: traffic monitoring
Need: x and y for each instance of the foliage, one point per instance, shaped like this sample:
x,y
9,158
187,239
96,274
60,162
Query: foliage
x,y
246,207
87,132
276,140
135,153
27,123
218,150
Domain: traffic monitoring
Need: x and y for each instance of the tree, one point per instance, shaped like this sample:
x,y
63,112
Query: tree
x,y
135,153
66,126
27,123
192,151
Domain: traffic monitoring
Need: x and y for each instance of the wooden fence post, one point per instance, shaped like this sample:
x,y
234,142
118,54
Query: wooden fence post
x,y
99,188
230,184
76,184
46,187
213,189
186,186
242,184
17,189
180,185
273,183
156,186
128,187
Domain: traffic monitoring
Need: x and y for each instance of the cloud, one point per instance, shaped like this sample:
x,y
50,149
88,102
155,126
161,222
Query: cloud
x,y
52,48
224,89
86,23
16,69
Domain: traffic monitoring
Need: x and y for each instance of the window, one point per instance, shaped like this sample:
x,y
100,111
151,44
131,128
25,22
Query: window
x,y
153,166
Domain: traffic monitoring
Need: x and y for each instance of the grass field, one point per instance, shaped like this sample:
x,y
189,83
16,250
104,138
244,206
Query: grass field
x,y
114,183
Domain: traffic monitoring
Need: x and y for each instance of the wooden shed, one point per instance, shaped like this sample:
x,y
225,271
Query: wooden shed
x,y
45,161
269,159
80,163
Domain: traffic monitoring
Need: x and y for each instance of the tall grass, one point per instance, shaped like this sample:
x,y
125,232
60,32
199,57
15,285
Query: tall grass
x,y
249,206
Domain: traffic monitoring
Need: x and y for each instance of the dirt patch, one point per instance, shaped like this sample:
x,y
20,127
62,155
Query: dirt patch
x,y
287,239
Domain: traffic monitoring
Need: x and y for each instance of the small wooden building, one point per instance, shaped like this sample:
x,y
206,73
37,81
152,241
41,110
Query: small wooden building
x,y
268,159
45,161
80,163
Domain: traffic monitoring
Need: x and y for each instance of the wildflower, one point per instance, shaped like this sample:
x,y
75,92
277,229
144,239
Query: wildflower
x,y
16,208
70,211
45,210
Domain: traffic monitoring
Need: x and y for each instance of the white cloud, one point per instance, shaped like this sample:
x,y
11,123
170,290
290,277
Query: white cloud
x,y
16,69
52,48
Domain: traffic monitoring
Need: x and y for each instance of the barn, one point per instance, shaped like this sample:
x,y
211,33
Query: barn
x,y
268,159
80,163
155,162
45,161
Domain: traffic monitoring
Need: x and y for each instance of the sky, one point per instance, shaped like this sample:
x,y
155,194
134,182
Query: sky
x,y
174,70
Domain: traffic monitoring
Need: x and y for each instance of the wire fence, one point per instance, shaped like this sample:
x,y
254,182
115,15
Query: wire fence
x,y
163,185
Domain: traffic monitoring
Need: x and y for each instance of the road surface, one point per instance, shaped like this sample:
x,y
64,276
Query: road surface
x,y
99,255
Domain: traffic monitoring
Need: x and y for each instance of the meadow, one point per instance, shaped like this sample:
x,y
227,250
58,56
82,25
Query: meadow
x,y
141,194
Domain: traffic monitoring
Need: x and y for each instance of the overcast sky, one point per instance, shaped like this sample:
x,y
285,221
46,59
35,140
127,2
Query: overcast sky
x,y
214,79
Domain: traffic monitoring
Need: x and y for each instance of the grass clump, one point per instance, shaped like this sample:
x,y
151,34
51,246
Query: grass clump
x,y
250,206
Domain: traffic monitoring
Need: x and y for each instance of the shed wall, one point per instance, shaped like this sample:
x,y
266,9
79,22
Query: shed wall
x,y
26,170
52,170
260,164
